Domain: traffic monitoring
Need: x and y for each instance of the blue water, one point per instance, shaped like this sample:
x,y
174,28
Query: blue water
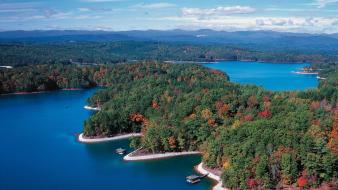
x,y
39,150
276,77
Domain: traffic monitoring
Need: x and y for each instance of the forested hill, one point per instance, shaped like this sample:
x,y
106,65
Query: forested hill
x,y
127,51
258,139
259,40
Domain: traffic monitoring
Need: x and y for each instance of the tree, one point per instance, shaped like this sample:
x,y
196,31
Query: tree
x,y
289,168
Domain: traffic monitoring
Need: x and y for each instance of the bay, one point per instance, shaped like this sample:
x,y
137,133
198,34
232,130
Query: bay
x,y
39,150
271,76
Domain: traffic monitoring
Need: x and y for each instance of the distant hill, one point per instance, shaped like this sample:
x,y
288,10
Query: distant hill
x,y
261,40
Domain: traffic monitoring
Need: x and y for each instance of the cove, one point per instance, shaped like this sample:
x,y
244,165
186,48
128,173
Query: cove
x,y
39,150
271,76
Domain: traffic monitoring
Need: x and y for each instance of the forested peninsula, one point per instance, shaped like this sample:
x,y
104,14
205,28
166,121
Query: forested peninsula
x,y
257,138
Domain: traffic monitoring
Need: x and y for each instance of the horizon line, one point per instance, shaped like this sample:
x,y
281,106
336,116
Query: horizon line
x,y
167,30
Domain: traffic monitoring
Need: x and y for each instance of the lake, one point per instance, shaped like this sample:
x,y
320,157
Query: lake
x,y
276,77
39,150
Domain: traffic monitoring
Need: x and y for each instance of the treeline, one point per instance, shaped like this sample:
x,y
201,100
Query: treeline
x,y
259,139
35,78
127,51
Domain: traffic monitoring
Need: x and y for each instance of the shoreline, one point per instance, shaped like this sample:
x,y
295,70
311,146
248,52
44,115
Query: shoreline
x,y
321,78
24,93
82,139
199,168
92,108
71,89
129,156
305,73
6,67
40,92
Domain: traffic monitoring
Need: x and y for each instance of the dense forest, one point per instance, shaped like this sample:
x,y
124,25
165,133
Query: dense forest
x,y
128,51
258,138
46,77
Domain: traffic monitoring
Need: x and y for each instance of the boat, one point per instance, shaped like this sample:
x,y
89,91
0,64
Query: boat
x,y
195,178
120,151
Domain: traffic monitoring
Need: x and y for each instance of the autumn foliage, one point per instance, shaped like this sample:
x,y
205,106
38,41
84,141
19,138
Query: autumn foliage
x,y
221,108
172,142
155,105
333,139
206,113
248,117
251,183
139,118
211,122
265,113
216,72
259,139
302,181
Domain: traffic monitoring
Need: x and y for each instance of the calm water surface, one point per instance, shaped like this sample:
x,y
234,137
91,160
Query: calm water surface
x,y
269,75
39,150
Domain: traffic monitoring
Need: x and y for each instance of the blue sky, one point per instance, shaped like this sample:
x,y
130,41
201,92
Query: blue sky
x,y
311,16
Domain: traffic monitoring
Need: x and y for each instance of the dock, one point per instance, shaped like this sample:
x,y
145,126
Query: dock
x,y
195,178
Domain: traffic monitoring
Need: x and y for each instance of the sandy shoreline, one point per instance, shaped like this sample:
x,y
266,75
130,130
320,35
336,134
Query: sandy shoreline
x,y
306,73
6,66
92,108
321,78
82,139
129,156
215,177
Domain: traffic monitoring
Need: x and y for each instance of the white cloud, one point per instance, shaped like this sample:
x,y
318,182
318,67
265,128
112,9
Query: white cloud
x,y
217,11
228,18
162,5
96,9
323,3
48,14
300,10
82,9
236,23
18,7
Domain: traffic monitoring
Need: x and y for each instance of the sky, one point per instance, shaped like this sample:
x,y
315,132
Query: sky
x,y
306,16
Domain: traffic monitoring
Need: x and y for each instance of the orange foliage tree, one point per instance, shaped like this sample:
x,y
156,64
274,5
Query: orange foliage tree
x,y
155,105
333,137
172,142
139,118
221,108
